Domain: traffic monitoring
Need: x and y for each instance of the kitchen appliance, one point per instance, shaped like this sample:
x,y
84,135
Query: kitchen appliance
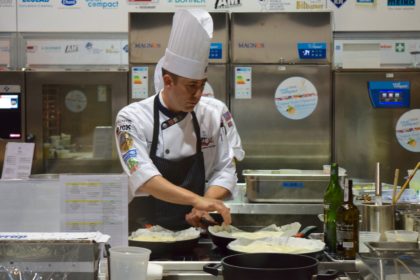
x,y
50,255
148,38
281,88
71,115
376,119
287,186
12,109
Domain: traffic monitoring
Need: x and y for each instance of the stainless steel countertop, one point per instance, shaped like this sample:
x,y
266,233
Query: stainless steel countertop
x,y
274,208
241,205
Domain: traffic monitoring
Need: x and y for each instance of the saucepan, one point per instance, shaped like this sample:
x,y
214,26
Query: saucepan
x,y
269,266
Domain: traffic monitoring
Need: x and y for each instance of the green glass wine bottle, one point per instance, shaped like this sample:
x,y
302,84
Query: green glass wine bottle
x,y
347,225
333,197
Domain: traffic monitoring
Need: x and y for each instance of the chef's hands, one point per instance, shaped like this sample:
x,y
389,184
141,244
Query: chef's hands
x,y
200,218
203,205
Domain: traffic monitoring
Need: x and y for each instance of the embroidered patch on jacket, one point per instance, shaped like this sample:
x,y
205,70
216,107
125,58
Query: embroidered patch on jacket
x,y
130,154
125,141
207,142
132,164
227,116
122,126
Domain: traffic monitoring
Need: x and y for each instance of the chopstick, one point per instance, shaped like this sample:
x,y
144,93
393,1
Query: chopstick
x,y
406,182
394,189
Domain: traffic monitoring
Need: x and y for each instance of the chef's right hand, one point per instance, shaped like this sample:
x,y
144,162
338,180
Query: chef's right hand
x,y
211,204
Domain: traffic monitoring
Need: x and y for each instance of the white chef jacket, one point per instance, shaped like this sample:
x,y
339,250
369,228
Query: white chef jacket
x,y
228,125
234,140
134,133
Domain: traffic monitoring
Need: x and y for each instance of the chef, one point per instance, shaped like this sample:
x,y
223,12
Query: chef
x,y
227,123
170,144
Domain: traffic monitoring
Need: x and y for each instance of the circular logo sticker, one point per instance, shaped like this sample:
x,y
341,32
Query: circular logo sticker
x,y
296,98
208,90
408,130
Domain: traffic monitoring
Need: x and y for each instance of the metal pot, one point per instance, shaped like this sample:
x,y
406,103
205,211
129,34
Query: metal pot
x,y
268,267
379,218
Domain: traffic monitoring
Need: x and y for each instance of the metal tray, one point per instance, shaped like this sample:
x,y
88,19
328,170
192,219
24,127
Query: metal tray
x,y
393,249
286,185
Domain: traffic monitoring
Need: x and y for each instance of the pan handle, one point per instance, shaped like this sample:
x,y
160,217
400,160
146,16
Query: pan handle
x,y
107,247
329,274
213,268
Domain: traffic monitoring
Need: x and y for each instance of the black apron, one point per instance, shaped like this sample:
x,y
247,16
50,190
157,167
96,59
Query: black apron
x,y
187,173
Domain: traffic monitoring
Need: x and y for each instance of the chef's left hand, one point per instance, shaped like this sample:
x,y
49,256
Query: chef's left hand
x,y
195,217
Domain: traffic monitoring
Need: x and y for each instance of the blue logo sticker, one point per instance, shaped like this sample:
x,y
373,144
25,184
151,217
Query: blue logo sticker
x,y
315,50
338,3
216,51
69,2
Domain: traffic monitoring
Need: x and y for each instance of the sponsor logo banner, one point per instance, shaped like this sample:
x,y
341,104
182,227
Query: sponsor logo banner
x,y
7,3
395,3
102,4
35,4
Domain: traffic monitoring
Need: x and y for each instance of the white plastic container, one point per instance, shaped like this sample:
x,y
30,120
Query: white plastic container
x,y
129,263
367,236
401,235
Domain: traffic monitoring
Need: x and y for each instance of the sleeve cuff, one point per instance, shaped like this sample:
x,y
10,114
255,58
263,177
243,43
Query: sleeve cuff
x,y
139,177
227,181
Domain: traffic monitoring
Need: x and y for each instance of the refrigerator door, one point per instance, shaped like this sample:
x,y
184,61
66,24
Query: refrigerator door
x,y
273,133
365,135
281,37
149,35
71,115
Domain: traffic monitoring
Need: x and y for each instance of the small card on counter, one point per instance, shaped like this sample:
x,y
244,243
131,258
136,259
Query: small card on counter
x,y
18,160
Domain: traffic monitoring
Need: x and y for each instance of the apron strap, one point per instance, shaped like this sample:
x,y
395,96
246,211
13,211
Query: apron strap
x,y
156,126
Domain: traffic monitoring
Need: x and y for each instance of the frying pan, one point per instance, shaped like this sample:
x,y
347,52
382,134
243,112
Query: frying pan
x,y
223,241
318,254
160,249
269,267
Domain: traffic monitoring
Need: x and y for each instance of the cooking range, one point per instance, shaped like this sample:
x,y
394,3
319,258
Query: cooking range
x,y
189,264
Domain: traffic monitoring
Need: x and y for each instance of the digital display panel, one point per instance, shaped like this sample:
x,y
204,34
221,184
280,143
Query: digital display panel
x,y
390,96
10,101
10,116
